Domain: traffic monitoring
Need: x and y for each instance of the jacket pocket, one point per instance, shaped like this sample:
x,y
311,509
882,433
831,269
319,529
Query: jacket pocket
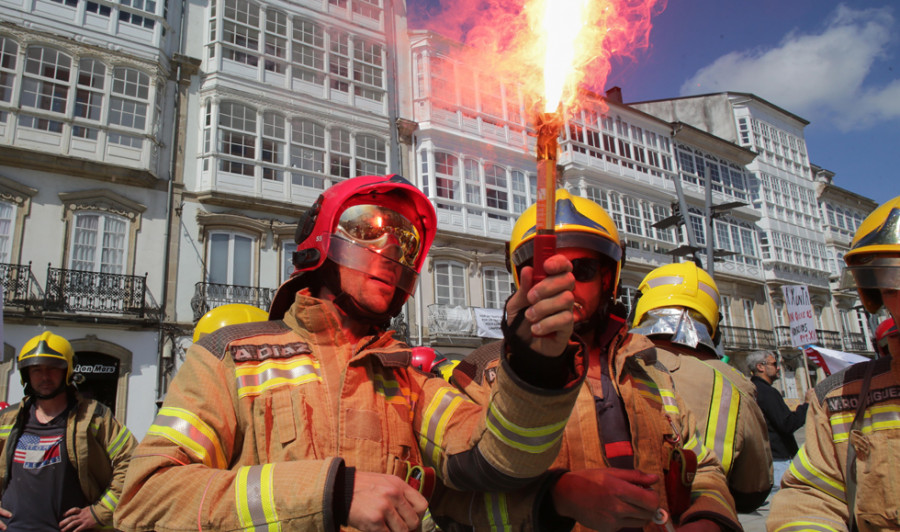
x,y
284,426
877,494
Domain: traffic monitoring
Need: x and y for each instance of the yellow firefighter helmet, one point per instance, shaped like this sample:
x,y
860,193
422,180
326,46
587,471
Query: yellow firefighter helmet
x,y
230,314
681,284
874,256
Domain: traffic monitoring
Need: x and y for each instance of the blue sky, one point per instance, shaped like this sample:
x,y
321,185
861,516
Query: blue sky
x,y
836,64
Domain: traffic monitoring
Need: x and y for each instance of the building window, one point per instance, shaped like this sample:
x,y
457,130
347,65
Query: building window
x,y
287,258
368,71
749,318
497,287
472,172
626,297
7,226
450,284
9,52
273,141
99,243
128,102
276,40
237,137
371,155
229,259
147,7
446,176
725,309
45,87
240,30
341,153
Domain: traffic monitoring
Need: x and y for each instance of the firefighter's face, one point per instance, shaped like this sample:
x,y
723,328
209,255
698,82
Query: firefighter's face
x,y
372,290
593,281
45,379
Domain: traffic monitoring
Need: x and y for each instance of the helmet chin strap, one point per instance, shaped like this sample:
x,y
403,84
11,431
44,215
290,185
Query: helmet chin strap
x,y
43,397
332,280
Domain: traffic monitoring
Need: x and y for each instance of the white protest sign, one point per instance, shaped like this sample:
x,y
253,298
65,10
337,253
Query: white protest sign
x,y
800,315
487,322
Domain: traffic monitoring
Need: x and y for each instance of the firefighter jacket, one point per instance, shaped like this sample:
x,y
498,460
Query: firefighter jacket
x,y
729,421
99,448
814,491
654,413
262,418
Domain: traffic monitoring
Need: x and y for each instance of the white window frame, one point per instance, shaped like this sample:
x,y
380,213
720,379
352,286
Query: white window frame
x,y
105,226
451,276
497,287
231,237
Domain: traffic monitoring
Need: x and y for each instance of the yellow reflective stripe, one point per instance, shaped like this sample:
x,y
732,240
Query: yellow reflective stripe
x,y
880,417
182,427
648,389
694,445
437,414
804,471
254,498
669,403
532,440
695,494
391,391
497,511
797,526
254,378
721,424
116,445
109,500
5,430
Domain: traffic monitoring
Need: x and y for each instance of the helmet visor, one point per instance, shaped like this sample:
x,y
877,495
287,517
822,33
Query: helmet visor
x,y
881,273
384,231
372,262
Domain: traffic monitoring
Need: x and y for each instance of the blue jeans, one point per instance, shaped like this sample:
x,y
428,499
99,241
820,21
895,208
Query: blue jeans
x,y
778,469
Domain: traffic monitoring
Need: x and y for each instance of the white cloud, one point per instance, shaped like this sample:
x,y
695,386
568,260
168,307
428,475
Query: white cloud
x,y
819,76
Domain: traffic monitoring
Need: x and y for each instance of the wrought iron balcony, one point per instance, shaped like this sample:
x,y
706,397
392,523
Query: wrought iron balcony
x,y
95,292
211,295
855,342
20,288
743,338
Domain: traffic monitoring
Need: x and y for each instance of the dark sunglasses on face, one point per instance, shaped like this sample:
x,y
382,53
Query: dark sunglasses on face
x,y
585,269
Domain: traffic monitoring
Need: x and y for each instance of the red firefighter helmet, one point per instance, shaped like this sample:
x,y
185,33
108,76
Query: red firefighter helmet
x,y
356,223
427,359
3,405
885,329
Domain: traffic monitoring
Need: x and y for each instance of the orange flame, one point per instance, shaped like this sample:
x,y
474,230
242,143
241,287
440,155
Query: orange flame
x,y
551,48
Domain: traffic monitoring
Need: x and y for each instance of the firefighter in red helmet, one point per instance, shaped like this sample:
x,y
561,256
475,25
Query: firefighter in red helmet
x,y
314,419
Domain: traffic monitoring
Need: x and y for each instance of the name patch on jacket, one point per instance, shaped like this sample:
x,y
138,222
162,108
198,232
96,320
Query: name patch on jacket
x,y
243,353
842,403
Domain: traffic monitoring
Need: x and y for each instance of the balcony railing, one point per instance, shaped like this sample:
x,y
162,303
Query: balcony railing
x,y
95,292
20,288
208,296
744,338
855,342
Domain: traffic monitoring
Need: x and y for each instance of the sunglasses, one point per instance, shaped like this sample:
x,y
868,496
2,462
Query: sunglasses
x,y
585,269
